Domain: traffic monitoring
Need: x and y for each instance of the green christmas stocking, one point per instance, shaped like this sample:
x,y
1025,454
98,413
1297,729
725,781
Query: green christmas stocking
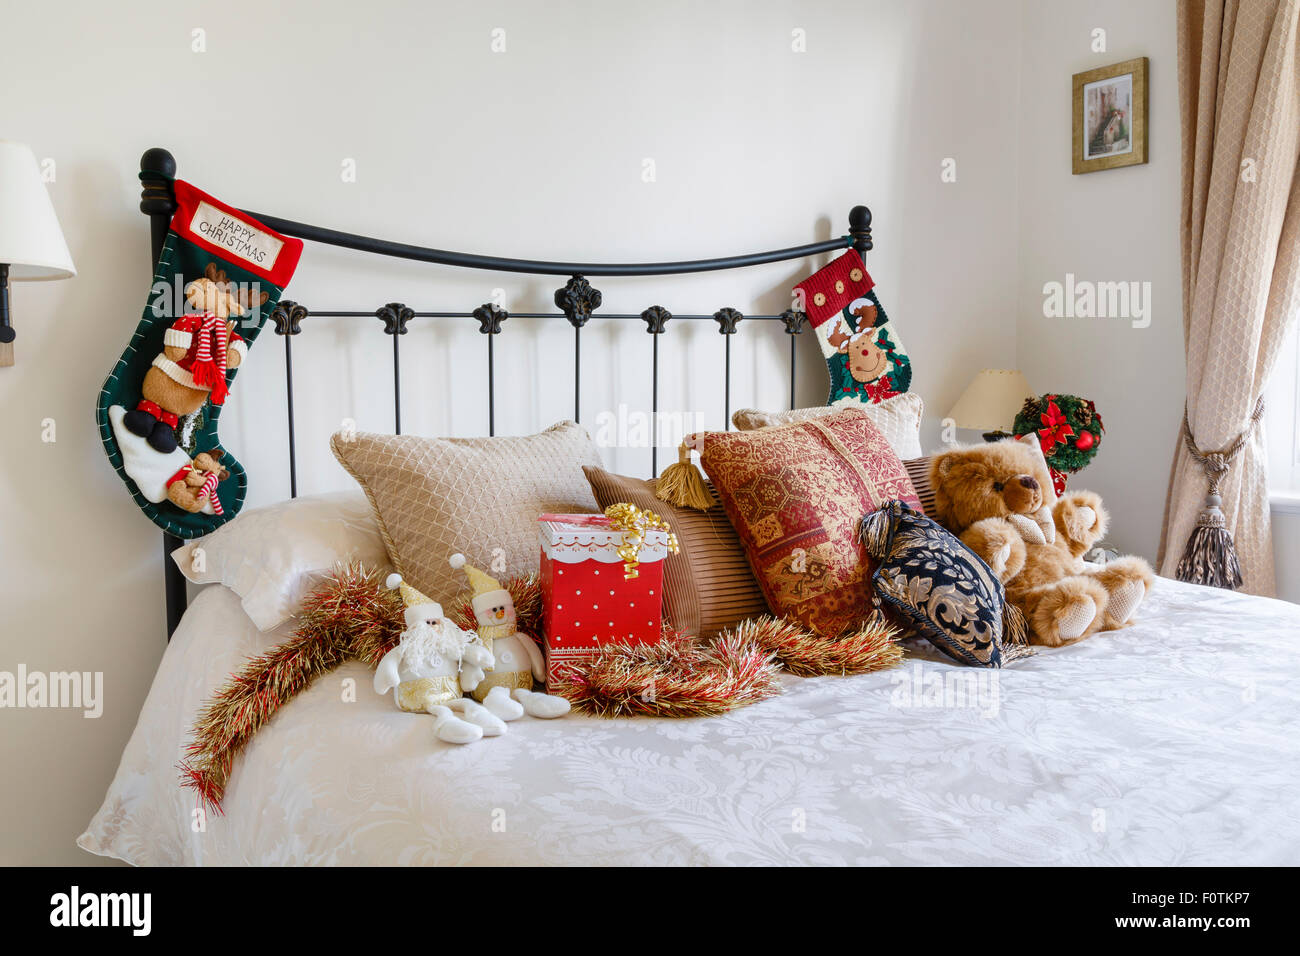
x,y
866,360
218,278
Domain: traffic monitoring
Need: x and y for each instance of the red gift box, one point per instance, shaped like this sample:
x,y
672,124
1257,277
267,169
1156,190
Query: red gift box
x,y
587,599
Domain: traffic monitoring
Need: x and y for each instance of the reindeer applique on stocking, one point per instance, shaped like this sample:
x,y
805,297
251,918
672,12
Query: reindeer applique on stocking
x,y
865,359
218,278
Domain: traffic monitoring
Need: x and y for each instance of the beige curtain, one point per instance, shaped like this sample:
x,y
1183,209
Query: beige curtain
x,y
1239,78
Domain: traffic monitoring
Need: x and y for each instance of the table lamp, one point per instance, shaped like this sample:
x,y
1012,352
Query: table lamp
x,y
31,242
991,401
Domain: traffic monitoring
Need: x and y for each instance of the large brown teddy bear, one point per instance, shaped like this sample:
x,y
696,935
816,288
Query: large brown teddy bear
x,y
997,497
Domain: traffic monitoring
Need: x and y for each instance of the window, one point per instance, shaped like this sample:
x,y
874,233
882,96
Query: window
x,y
1282,421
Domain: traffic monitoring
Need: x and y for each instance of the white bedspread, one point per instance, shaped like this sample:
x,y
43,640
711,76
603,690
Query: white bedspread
x,y
1176,741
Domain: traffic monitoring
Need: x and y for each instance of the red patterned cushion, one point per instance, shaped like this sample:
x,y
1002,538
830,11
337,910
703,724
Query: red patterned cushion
x,y
796,495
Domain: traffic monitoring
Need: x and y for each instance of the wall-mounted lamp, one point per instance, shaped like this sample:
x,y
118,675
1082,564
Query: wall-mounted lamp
x,y
31,242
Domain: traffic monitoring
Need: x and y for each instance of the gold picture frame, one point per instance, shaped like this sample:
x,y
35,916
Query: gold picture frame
x,y
1110,117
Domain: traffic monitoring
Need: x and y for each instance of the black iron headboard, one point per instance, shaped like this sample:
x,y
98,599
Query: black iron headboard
x,y
577,301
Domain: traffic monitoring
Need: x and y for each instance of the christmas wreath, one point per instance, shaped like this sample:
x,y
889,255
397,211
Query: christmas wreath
x,y
1068,429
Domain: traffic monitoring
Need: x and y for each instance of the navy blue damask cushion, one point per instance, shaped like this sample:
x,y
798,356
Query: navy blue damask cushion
x,y
942,589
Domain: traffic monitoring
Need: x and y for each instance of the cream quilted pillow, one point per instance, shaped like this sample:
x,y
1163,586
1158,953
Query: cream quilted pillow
x,y
899,418
433,497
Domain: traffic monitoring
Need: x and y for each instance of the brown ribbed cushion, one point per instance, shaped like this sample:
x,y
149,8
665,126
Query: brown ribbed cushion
x,y
918,469
708,586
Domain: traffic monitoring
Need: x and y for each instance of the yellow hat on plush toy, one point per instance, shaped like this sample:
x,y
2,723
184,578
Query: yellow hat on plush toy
x,y
491,602
480,581
411,597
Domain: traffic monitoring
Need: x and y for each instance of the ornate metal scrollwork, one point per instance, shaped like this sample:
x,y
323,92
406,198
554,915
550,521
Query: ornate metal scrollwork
x,y
727,320
577,300
793,320
286,315
655,318
490,316
395,316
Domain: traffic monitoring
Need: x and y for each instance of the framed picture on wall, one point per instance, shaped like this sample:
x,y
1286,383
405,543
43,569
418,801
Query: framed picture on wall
x,y
1110,116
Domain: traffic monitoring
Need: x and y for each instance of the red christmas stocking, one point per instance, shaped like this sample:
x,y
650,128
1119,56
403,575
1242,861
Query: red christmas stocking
x,y
220,274
866,360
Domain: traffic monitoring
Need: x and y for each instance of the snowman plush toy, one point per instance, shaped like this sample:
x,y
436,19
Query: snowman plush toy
x,y
433,666
517,662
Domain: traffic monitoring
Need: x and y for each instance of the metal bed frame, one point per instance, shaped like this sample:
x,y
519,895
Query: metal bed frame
x,y
577,301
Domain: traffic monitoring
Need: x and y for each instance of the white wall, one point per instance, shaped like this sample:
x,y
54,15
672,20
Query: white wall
x,y
1286,552
538,152
534,152
1113,225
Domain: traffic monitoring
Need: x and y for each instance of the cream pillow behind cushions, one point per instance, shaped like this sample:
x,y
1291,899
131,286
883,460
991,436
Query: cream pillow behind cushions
x,y
433,497
272,556
898,418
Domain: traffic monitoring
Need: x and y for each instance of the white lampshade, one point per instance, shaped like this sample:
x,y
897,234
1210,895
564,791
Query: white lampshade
x,y
992,400
31,242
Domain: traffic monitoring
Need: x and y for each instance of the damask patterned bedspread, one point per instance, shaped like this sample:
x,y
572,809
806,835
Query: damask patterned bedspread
x,y
1176,741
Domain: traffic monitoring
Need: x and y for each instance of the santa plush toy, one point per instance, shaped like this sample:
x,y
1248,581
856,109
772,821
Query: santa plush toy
x,y
433,665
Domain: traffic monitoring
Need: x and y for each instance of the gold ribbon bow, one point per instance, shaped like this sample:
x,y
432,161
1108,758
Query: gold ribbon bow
x,y
634,523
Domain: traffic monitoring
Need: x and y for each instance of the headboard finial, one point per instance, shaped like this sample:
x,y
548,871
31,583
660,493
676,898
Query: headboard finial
x,y
159,162
157,170
860,228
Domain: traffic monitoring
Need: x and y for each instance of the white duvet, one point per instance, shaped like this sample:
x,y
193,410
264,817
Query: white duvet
x,y
1176,741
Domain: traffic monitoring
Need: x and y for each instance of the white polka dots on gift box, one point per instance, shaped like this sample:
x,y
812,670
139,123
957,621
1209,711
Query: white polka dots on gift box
x,y
586,605
586,599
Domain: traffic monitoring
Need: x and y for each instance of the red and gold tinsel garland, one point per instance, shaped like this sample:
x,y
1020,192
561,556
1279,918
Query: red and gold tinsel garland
x,y
676,676
682,677
350,616
873,646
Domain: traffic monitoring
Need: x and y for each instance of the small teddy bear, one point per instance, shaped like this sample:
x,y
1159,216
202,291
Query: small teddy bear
x,y
998,498
195,484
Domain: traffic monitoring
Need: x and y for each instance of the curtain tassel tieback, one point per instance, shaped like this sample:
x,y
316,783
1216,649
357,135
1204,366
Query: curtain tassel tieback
x,y
1210,557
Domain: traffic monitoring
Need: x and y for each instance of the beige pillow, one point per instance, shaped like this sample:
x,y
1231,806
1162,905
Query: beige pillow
x,y
273,556
899,418
708,586
433,497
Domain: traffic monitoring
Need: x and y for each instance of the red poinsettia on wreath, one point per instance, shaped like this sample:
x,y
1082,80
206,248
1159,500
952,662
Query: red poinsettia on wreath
x,y
1055,428
1068,429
